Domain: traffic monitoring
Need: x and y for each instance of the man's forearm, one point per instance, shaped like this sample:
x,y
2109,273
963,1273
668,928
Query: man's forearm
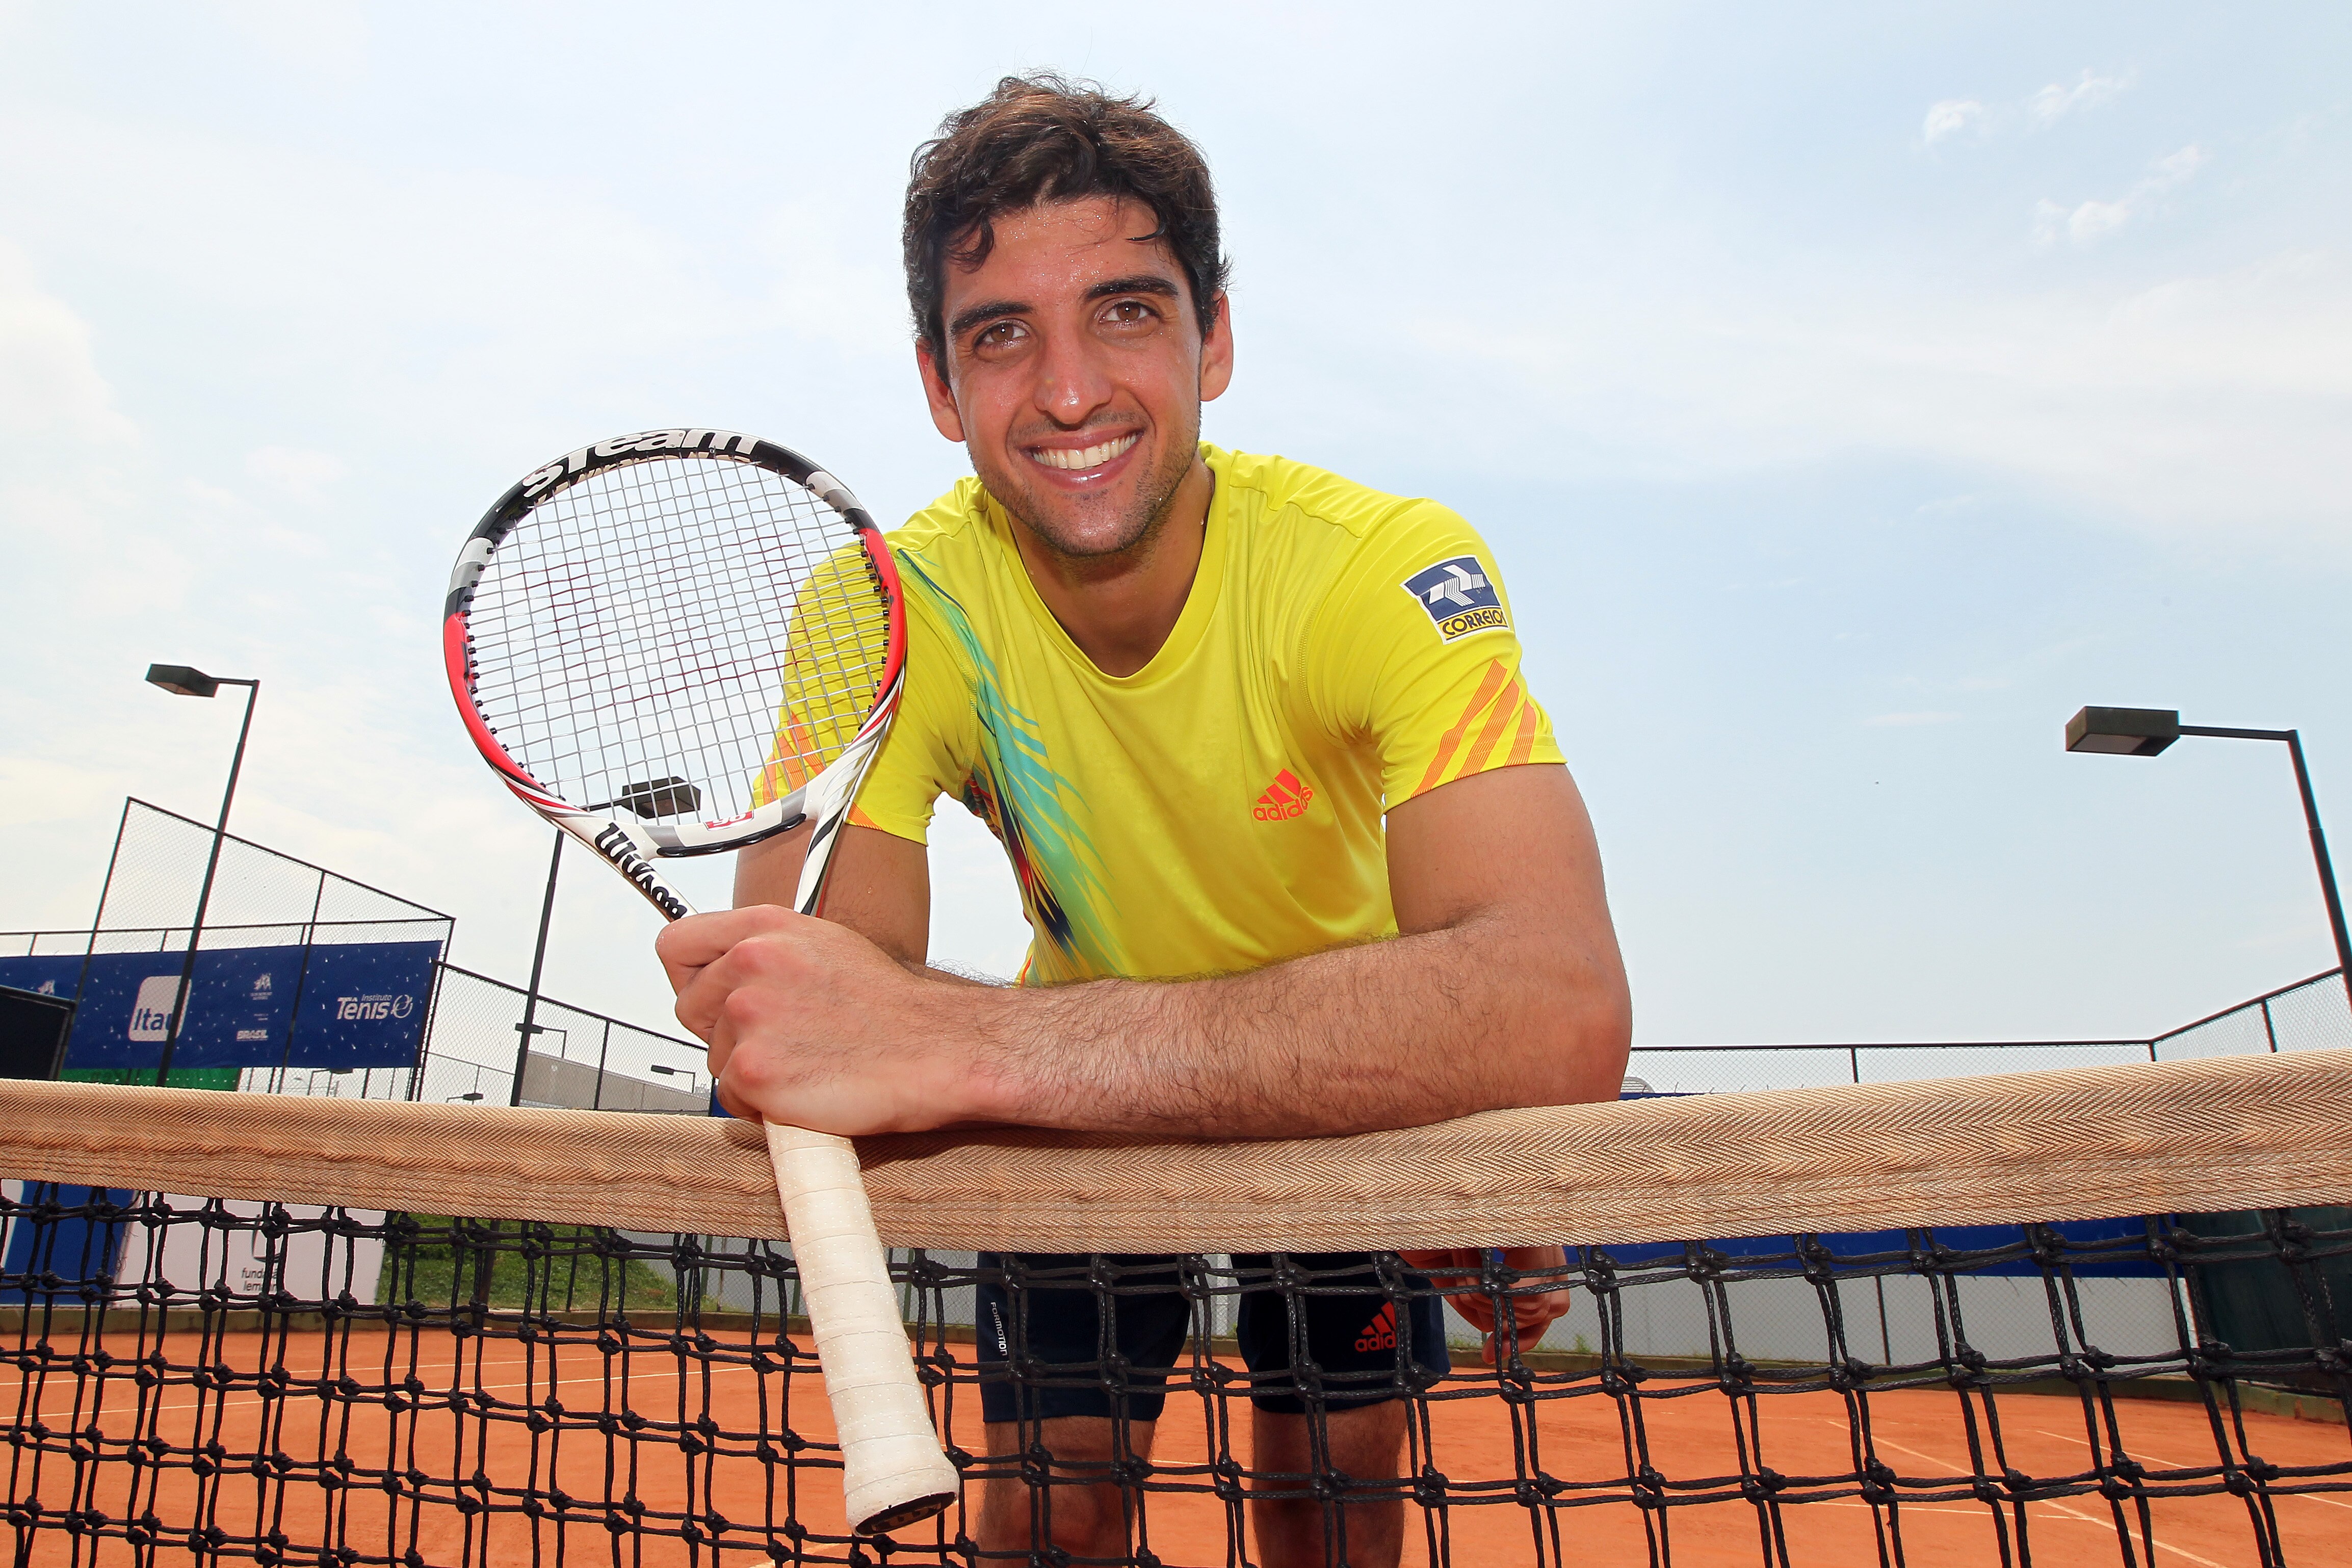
x,y
1473,1017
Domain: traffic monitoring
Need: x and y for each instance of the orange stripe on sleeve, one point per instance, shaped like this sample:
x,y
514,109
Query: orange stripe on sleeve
x,y
1506,707
1530,722
1487,687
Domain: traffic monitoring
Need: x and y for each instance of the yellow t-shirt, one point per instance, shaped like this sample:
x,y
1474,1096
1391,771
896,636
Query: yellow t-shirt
x,y
1220,809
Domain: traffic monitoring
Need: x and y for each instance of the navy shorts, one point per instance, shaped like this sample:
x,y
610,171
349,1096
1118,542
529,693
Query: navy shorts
x,y
1364,1346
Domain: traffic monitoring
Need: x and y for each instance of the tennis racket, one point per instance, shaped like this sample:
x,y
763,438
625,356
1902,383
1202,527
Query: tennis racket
x,y
680,642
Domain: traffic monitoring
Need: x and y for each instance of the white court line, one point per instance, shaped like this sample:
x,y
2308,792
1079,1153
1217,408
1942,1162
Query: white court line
x,y
2177,1465
2054,1504
226,1403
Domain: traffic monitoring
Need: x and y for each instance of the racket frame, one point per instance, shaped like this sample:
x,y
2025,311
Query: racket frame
x,y
894,1471
633,847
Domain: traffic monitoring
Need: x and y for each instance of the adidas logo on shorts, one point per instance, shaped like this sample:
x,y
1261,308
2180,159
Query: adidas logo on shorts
x,y
1380,1334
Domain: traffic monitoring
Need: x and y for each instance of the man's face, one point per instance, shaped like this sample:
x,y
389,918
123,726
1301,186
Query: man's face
x,y
1074,371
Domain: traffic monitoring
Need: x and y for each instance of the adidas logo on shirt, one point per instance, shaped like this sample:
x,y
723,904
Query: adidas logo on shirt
x,y
1286,796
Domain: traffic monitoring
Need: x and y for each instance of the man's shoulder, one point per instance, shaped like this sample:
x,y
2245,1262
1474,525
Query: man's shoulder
x,y
1284,493
956,520
1324,540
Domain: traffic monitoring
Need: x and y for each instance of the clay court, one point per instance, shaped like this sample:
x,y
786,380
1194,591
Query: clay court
x,y
694,1452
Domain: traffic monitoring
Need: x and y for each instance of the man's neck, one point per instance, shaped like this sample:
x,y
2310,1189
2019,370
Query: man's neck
x,y
1119,609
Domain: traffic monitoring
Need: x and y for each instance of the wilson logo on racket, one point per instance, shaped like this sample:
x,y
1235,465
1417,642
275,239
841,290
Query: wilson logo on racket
x,y
614,845
1459,596
1285,798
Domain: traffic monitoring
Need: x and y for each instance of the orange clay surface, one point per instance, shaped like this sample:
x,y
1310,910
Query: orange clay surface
x,y
1919,1434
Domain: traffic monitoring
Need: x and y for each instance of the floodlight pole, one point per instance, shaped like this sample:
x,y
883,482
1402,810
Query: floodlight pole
x,y
2294,740
205,894
530,1025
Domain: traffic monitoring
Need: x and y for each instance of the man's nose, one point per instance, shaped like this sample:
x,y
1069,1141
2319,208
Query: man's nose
x,y
1072,382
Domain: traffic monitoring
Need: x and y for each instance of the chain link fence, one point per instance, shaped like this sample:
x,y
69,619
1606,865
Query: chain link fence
x,y
2311,1015
307,981
461,1042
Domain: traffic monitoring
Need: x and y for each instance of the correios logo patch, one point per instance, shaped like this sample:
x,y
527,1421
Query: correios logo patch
x,y
1459,596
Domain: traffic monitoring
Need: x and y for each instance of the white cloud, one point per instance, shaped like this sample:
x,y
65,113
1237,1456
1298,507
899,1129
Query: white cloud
x,y
2093,220
1951,116
2054,102
1954,117
2209,406
49,384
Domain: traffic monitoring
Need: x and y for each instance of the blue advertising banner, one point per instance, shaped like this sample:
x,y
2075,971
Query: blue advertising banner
x,y
2128,1260
355,1006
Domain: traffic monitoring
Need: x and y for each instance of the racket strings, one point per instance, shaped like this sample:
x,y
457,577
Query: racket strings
x,y
699,618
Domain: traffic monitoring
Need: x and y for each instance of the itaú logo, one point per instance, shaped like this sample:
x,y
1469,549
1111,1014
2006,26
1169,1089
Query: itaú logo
x,y
1285,798
151,1010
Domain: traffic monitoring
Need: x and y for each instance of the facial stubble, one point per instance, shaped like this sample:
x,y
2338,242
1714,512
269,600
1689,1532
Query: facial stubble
x,y
1140,525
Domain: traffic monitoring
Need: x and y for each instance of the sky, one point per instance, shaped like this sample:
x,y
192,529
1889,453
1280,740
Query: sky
x,y
1848,393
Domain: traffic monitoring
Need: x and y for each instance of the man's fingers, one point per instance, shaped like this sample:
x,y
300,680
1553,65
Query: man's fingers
x,y
733,1104
689,946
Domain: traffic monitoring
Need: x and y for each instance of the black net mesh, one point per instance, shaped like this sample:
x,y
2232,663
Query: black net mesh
x,y
262,1383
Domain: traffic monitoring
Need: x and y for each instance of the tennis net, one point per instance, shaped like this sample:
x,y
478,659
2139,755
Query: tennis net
x,y
2094,1315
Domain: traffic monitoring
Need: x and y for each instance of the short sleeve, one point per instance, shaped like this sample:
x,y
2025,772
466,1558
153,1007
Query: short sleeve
x,y
1415,653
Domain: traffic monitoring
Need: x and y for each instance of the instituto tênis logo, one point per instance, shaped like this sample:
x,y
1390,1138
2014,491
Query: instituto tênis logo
x,y
369,1009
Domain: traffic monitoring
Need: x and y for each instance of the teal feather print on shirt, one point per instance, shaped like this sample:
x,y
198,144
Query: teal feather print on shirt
x,y
1032,809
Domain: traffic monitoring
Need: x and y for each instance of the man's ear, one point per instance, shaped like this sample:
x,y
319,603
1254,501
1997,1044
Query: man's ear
x,y
945,416
1217,351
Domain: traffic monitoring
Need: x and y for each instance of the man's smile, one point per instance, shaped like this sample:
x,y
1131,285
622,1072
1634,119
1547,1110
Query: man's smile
x,y
1078,460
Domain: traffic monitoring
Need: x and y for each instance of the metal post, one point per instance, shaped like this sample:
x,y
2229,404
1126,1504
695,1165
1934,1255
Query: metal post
x,y
2294,740
530,1025
2319,855
204,895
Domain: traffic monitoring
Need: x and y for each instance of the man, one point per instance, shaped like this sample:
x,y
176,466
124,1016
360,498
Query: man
x,y
1183,687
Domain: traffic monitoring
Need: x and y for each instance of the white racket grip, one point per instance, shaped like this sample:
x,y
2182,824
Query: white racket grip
x,y
893,1471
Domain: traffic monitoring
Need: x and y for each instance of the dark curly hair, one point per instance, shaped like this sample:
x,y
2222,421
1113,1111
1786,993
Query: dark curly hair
x,y
1043,138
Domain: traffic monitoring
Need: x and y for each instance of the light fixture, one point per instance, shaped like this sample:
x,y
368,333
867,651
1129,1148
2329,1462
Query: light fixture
x,y
182,679
2123,731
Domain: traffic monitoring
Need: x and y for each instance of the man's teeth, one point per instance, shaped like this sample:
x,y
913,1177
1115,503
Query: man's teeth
x,y
1090,457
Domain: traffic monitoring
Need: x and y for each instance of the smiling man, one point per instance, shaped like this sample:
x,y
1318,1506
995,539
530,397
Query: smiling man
x,y
1296,843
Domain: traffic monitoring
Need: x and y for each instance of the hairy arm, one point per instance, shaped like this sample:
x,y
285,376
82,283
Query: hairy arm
x,y
1504,987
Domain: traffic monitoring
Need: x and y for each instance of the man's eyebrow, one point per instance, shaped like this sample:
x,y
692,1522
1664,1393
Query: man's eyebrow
x,y
971,316
1141,283
987,311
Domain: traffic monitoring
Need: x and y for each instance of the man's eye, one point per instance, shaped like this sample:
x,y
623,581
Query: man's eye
x,y
997,335
1130,312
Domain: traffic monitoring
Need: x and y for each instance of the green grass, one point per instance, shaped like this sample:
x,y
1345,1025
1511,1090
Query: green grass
x,y
179,1077
542,1267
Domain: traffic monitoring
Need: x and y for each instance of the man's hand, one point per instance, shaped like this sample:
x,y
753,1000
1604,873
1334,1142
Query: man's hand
x,y
1534,1308
810,1023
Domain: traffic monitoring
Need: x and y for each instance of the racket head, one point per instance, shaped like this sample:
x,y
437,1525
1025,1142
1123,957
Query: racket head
x,y
677,632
